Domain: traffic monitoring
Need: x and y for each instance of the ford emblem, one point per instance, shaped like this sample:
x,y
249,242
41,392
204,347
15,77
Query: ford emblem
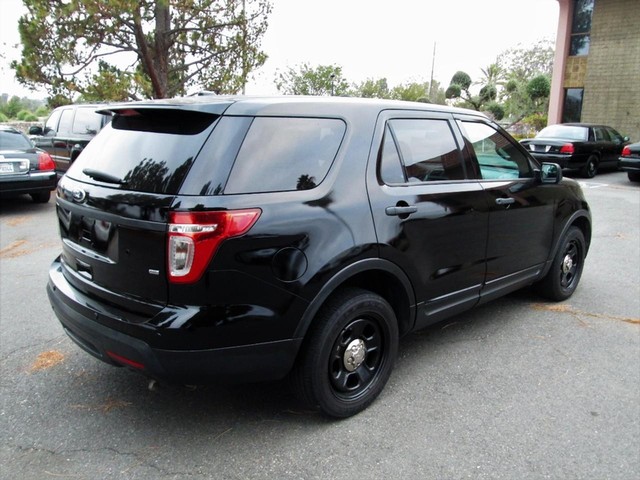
x,y
79,195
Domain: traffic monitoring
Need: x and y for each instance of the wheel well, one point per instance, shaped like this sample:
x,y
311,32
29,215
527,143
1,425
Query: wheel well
x,y
583,224
389,288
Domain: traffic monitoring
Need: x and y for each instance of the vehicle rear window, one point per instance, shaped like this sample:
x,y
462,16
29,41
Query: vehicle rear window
x,y
13,141
281,154
148,150
568,132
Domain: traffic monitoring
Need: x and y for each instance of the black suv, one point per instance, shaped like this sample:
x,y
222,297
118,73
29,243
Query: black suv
x,y
251,238
67,131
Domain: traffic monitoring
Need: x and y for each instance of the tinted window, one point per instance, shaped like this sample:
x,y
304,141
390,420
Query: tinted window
x,y
52,122
12,140
280,154
150,150
572,107
391,171
66,121
601,134
497,156
87,121
614,135
427,151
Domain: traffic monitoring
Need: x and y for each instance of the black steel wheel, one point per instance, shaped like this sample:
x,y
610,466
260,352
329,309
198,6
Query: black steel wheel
x,y
566,270
591,167
348,354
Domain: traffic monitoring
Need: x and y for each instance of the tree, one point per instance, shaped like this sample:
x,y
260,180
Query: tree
x,y
522,64
126,49
307,80
459,88
371,89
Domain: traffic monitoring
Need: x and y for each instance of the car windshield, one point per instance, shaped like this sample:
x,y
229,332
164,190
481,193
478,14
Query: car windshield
x,y
569,132
13,140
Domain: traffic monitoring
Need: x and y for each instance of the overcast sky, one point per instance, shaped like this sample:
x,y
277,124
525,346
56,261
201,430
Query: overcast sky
x,y
368,38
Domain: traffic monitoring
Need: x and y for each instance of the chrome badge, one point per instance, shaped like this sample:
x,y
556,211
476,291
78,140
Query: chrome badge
x,y
78,195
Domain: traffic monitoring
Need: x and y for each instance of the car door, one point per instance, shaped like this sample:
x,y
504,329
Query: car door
x,y
606,146
430,219
61,142
521,210
45,141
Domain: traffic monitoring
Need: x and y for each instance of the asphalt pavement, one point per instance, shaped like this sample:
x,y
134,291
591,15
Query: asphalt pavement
x,y
516,389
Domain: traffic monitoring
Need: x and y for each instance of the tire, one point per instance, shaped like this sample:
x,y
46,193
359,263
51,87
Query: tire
x,y
41,197
591,167
326,376
563,277
634,176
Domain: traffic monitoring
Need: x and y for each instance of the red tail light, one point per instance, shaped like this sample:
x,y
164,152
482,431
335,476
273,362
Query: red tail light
x,y
45,162
567,148
626,151
194,238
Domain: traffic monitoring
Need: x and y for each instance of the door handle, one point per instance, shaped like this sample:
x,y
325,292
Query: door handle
x,y
400,210
505,201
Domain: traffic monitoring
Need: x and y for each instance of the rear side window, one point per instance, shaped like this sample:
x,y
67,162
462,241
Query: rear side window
x,y
149,150
66,121
87,121
426,149
280,154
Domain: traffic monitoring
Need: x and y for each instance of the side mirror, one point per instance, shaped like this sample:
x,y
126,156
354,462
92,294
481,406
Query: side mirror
x,y
550,173
35,130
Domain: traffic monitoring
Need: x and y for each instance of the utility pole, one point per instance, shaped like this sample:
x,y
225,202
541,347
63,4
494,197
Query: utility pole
x,y
433,63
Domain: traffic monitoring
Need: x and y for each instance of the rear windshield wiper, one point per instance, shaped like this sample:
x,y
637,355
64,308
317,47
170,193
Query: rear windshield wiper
x,y
103,177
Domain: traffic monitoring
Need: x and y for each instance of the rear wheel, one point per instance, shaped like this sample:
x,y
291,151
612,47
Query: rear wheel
x,y
591,167
41,197
566,270
349,354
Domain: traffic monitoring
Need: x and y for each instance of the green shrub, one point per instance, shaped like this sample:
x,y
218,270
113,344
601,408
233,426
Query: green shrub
x,y
42,111
536,120
3,118
22,114
30,117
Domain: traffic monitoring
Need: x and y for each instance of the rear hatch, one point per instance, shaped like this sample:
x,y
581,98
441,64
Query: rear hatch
x,y
114,201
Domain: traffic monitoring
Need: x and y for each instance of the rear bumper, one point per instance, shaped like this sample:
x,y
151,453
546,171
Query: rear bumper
x,y
629,164
87,326
565,161
28,183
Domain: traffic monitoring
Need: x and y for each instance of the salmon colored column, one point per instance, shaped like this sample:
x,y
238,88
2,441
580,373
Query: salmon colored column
x,y
562,51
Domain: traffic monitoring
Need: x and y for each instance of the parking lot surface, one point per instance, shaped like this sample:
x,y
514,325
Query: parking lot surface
x,y
518,388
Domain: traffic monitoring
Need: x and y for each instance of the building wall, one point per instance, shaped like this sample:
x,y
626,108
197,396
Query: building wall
x,y
610,73
612,80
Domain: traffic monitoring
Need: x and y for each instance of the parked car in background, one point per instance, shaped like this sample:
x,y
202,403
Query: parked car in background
x,y
24,169
67,131
630,161
578,146
247,238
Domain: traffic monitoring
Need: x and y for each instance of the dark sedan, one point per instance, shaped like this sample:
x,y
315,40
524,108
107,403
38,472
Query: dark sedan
x,y
24,169
630,161
578,146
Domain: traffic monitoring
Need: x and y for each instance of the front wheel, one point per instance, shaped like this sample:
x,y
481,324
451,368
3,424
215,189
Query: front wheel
x,y
563,277
634,176
348,355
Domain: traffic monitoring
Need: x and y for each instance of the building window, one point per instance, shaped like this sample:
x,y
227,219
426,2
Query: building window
x,y
581,27
572,109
